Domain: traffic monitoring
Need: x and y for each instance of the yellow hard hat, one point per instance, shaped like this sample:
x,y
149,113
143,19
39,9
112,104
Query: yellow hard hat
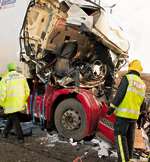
x,y
135,65
11,66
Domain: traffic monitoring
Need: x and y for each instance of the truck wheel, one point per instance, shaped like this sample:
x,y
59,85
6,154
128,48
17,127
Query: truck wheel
x,y
70,119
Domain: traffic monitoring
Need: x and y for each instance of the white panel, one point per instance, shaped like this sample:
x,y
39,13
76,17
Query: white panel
x,y
11,19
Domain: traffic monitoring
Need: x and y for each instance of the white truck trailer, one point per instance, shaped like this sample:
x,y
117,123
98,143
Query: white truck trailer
x,y
12,13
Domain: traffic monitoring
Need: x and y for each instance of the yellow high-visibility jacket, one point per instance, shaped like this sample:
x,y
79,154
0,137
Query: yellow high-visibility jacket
x,y
135,94
14,92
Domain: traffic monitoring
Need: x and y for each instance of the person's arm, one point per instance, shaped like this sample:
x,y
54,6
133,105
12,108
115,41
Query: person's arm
x,y
121,92
2,92
143,106
119,95
27,90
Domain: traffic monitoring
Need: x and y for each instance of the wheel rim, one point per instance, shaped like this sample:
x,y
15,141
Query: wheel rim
x,y
71,120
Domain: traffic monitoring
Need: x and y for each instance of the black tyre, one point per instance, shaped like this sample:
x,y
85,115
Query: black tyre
x,y
70,119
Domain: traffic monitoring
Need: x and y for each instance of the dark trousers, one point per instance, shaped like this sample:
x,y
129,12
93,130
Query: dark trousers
x,y
141,120
13,121
124,130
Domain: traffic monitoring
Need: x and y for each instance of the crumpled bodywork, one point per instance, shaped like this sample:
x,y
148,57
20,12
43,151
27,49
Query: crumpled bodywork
x,y
71,43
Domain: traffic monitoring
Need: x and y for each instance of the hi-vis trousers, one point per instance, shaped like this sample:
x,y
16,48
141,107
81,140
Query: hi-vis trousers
x,y
124,130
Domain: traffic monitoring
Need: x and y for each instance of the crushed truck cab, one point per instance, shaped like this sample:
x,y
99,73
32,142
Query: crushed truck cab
x,y
72,50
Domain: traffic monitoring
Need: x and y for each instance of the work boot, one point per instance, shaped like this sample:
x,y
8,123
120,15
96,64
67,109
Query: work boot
x,y
3,134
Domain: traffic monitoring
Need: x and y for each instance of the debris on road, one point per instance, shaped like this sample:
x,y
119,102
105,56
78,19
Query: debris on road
x,y
80,158
82,149
72,142
103,147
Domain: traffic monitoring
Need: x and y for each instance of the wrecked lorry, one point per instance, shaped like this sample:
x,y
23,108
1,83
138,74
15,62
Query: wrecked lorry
x,y
73,55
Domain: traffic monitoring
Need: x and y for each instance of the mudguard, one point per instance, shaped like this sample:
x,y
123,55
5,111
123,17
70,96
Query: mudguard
x,y
106,124
85,97
96,113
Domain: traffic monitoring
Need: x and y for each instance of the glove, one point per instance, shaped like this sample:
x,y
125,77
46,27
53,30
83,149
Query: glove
x,y
110,111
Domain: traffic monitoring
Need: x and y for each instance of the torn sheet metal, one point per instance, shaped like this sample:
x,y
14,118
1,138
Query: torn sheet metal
x,y
76,16
110,33
72,40
82,3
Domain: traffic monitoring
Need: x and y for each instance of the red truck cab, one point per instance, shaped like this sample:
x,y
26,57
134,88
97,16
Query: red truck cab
x,y
75,112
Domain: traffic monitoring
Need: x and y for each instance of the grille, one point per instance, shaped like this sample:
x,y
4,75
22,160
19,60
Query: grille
x,y
107,123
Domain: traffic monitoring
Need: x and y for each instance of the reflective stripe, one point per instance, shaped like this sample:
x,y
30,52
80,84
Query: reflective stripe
x,y
128,110
136,82
121,148
13,95
12,88
1,97
112,105
14,76
8,110
131,89
15,107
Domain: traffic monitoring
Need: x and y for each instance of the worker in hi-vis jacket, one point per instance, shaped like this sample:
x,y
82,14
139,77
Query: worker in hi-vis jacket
x,y
126,105
14,92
